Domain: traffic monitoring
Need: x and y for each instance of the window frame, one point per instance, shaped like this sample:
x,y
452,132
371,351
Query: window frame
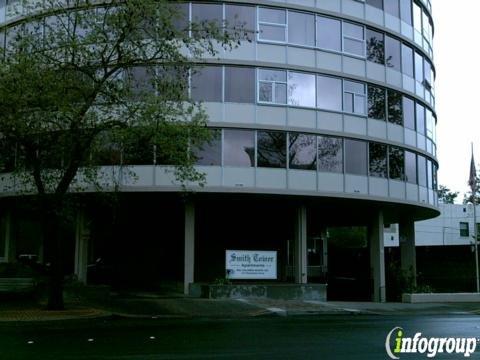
x,y
344,36
279,25
274,83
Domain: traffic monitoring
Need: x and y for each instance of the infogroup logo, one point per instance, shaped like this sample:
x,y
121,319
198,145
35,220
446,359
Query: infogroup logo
x,y
397,343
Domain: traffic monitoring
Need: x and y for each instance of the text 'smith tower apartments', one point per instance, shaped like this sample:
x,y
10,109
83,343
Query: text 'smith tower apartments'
x,y
323,117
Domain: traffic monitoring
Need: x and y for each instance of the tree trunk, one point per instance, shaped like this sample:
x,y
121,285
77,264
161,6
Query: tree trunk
x,y
53,243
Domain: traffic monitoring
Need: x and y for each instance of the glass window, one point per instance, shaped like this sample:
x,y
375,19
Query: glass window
x,y
329,33
140,81
422,170
301,28
393,58
207,84
180,23
375,3
378,159
353,39
239,84
240,19
329,93
301,89
207,12
420,115
330,154
210,153
435,177
392,7
272,86
464,231
407,60
376,102
418,67
417,17
354,97
238,148
272,24
427,71
271,149
429,174
396,162
395,115
408,113
375,47
410,167
302,151
430,123
406,11
355,157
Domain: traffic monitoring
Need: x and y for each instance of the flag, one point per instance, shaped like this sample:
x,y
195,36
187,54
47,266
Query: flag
x,y
473,175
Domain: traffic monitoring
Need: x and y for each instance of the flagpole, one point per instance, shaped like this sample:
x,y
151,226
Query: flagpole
x,y
475,230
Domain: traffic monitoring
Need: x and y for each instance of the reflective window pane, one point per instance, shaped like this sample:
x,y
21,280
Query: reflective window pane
x,y
329,93
280,93
429,174
271,149
302,151
393,58
408,113
417,17
330,154
355,87
378,159
427,70
395,115
375,47
301,28
422,170
420,117
270,15
375,3
406,11
240,19
410,167
392,7
355,157
353,46
238,148
239,84
429,123
418,67
396,162
329,33
207,12
207,84
272,75
210,153
301,89
353,30
376,102
272,32
407,60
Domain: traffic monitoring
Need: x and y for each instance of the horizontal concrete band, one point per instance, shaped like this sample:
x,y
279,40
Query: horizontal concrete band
x,y
441,298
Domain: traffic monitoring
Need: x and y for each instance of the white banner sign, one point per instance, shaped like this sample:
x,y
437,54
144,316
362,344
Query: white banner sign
x,y
245,264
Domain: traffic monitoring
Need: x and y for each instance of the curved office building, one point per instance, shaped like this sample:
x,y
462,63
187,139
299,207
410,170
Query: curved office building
x,y
322,118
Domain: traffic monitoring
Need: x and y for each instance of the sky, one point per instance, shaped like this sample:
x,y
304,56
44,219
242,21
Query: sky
x,y
457,85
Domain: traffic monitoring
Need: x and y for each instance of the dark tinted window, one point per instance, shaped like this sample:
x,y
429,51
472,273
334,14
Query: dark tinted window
x,y
238,148
302,151
330,154
375,47
410,167
376,102
422,170
210,153
355,157
392,53
240,19
396,162
378,160
408,113
271,149
395,107
239,84
207,84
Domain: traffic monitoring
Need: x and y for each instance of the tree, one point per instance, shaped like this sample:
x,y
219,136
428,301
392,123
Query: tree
x,y
83,81
446,196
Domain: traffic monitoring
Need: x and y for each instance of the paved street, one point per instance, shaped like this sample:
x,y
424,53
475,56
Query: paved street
x,y
303,337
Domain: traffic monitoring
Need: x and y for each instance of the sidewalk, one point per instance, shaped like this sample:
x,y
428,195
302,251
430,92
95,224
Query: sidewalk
x,y
151,306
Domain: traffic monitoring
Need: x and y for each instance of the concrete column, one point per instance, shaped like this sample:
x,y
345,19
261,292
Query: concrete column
x,y
301,245
408,259
189,264
377,256
9,238
82,237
